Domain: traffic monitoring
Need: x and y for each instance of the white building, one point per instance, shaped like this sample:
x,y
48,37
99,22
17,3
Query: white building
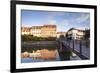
x,y
25,31
48,31
36,31
75,33
40,31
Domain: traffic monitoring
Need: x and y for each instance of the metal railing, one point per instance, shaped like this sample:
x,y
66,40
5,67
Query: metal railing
x,y
79,47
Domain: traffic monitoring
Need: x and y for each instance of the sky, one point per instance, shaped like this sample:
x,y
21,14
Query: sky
x,y
63,20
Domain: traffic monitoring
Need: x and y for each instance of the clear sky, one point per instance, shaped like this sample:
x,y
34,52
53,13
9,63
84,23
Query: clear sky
x,y
63,20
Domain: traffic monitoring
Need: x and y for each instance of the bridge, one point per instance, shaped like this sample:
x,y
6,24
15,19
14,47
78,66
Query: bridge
x,y
67,50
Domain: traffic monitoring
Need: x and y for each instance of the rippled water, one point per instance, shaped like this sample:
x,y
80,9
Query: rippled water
x,y
46,54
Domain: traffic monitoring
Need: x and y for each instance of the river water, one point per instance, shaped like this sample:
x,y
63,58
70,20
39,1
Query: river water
x,y
39,53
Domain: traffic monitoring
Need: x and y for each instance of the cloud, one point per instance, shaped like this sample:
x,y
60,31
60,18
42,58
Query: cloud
x,y
65,23
82,18
78,22
26,25
51,22
56,13
79,19
52,15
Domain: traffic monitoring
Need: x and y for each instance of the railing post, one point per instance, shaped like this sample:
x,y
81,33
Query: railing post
x,y
61,46
80,47
68,43
73,44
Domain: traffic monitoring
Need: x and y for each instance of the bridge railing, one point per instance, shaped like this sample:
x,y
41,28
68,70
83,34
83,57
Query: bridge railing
x,y
80,47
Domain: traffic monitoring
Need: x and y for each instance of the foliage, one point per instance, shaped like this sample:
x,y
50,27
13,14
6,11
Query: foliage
x,y
35,38
87,34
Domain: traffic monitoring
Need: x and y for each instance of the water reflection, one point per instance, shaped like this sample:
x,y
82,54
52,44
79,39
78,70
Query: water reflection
x,y
40,55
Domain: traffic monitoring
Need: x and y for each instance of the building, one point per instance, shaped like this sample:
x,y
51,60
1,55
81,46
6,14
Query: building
x,y
40,31
75,33
59,34
25,31
48,31
36,31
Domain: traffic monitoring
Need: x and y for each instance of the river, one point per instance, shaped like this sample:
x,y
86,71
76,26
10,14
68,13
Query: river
x,y
39,51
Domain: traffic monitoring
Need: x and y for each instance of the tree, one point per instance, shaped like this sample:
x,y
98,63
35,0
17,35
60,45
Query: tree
x,y
61,36
66,35
87,34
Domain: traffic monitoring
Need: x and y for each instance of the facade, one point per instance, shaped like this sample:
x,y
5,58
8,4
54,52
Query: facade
x,y
48,31
25,31
75,33
36,31
40,31
61,34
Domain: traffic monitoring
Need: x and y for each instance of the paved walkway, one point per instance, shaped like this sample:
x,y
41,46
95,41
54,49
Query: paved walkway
x,y
75,57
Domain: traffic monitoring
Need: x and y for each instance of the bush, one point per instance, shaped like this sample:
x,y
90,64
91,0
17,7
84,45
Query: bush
x,y
35,38
26,37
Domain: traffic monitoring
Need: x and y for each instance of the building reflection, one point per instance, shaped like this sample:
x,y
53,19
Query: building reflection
x,y
43,54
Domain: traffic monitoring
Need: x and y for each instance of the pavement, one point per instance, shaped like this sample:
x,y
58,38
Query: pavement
x,y
74,57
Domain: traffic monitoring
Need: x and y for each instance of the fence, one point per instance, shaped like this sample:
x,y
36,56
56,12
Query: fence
x,y
80,46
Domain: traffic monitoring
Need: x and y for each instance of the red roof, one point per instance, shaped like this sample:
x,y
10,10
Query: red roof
x,y
49,25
